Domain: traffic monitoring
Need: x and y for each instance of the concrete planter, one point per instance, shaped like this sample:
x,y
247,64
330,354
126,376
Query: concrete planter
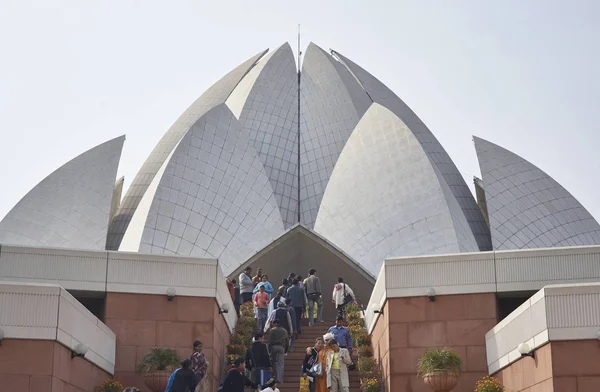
x,y
441,381
157,381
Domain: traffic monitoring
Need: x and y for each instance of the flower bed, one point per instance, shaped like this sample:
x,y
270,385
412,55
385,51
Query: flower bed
x,y
368,367
489,384
242,334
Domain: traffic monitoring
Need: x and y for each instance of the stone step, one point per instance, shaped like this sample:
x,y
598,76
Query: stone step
x,y
294,359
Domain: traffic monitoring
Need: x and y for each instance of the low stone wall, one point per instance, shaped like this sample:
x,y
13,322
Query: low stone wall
x,y
28,365
411,325
559,366
143,321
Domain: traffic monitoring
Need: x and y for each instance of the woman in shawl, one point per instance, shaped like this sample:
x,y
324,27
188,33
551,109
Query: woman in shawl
x,y
321,381
199,366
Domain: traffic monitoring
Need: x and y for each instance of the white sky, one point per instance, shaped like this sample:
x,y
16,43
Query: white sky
x,y
522,74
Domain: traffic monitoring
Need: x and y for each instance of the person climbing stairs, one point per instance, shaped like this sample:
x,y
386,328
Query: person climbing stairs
x,y
294,359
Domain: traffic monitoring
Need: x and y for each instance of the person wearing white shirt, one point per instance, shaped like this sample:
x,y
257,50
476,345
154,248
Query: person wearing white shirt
x,y
342,294
270,386
246,285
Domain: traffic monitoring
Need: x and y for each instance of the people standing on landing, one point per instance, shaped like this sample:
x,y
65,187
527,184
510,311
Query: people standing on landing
x,y
312,286
311,359
298,297
261,302
278,347
266,284
337,368
258,277
341,334
342,295
257,358
199,367
246,285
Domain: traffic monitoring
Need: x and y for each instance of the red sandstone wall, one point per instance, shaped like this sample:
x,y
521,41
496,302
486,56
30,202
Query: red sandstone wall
x,y
576,366
380,338
415,324
45,366
530,375
560,366
143,321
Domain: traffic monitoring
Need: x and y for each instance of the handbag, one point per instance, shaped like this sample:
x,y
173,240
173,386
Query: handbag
x,y
304,384
347,298
316,369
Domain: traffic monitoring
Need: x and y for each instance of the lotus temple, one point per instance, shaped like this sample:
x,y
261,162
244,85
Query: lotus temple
x,y
289,169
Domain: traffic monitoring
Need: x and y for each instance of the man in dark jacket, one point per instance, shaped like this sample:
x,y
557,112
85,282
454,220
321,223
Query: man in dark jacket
x,y
257,359
298,297
185,378
235,380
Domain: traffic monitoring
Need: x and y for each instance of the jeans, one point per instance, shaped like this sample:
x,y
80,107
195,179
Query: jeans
x,y
311,310
261,316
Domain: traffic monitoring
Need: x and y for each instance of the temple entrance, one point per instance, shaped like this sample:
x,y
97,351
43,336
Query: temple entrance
x,y
298,250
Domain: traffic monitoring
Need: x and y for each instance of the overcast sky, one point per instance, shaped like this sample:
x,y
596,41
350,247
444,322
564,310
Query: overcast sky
x,y
522,74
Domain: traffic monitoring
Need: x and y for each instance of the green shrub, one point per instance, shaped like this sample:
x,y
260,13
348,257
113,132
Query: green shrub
x,y
367,368
159,359
237,349
365,351
362,339
439,359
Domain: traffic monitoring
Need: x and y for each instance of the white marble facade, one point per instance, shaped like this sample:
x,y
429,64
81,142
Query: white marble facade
x,y
332,149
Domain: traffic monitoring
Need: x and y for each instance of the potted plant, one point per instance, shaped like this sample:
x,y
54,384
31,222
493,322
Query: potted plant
x,y
157,366
440,369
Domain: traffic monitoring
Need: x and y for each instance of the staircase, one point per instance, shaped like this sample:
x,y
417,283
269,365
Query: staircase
x,y
293,361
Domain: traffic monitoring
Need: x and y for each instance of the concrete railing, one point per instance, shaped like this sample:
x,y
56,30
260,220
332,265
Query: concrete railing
x,y
557,312
48,312
118,272
378,298
447,274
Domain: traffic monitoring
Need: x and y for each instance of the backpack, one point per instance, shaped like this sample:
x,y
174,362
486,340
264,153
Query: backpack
x,y
347,297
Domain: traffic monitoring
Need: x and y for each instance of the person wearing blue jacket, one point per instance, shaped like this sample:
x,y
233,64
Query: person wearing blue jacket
x,y
182,379
268,287
170,382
